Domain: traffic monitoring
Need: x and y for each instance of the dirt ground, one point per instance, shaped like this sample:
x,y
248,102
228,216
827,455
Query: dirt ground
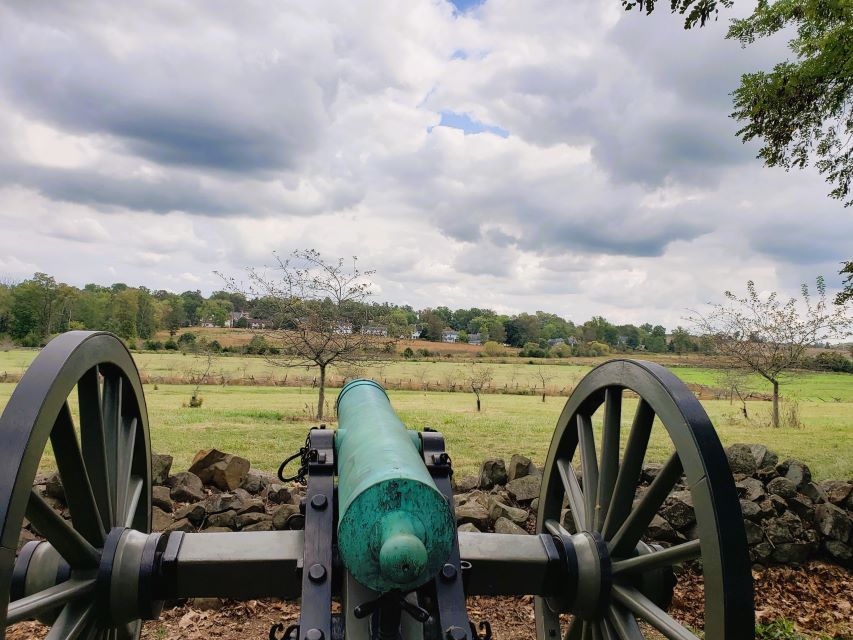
x,y
816,597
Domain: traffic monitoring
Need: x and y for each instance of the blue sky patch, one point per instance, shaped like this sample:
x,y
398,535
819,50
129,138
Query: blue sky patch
x,y
465,122
464,5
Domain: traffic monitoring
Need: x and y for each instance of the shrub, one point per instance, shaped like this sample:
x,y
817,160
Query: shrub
x,y
561,350
408,353
829,361
533,350
426,353
493,349
258,345
214,346
170,345
153,345
186,339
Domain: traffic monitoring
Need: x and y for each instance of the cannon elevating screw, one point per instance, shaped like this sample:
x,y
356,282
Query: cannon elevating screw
x,y
314,634
319,501
455,633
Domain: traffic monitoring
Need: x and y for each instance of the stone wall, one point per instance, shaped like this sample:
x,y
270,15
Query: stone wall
x,y
788,517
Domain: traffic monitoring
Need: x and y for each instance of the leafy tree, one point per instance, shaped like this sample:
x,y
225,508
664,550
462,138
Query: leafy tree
x,y
768,337
802,108
522,329
174,316
215,311
34,309
192,305
5,308
146,314
433,324
846,293
493,349
681,340
124,310
314,298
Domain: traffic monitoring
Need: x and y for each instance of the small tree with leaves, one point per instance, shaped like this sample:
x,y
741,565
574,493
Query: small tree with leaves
x,y
479,376
321,313
769,337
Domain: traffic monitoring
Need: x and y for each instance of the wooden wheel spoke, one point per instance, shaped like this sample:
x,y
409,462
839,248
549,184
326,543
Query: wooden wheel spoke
x,y
658,559
623,623
638,604
573,492
72,621
112,400
629,471
72,546
134,494
635,525
609,465
55,596
79,495
607,631
126,443
589,466
92,441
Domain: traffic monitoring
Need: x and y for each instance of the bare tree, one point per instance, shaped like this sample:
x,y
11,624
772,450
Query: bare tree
x,y
478,377
545,379
321,314
767,336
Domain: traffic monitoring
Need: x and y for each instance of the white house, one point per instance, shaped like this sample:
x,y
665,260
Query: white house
x,y
449,335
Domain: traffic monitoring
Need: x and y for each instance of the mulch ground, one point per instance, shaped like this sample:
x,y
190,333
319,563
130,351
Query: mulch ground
x,y
818,598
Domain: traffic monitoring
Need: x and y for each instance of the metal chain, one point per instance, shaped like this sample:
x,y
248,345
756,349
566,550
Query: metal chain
x,y
304,454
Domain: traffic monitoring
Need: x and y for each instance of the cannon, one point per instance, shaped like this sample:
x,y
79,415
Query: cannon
x,y
379,535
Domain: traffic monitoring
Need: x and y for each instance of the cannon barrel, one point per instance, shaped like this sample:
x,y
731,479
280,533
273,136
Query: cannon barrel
x,y
395,528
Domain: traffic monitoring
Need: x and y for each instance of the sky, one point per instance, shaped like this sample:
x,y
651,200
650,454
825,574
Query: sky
x,y
516,155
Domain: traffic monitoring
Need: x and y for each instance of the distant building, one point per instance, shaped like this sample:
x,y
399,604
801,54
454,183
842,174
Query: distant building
x,y
553,342
374,330
259,323
474,338
449,335
234,316
343,328
416,334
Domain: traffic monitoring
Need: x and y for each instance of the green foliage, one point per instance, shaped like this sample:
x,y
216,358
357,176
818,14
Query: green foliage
x,y
153,345
493,349
186,339
829,361
533,350
780,629
408,353
170,345
846,293
258,345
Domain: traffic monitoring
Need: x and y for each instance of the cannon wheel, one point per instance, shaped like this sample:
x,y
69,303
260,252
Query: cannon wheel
x,y
623,579
104,464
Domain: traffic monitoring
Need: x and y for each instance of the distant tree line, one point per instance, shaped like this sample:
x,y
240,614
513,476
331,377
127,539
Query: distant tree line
x,y
35,309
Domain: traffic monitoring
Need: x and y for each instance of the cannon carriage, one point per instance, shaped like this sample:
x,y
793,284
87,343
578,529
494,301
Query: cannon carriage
x,y
380,535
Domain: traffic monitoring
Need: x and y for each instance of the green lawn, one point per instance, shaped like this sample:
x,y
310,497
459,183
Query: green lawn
x,y
266,424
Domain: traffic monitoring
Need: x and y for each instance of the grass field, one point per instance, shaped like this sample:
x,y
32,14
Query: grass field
x,y
265,424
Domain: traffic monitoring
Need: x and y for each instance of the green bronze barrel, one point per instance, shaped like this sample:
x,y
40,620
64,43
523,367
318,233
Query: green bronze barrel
x,y
395,529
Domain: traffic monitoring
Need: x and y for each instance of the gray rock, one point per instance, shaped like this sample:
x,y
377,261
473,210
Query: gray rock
x,y
778,503
753,511
186,487
223,470
741,459
766,474
239,501
838,550
498,509
519,466
836,491
750,489
465,484
181,525
802,506
222,519
754,533
161,465
281,517
248,519
278,494
763,456
783,528
218,530
53,487
661,531
650,471
791,553
160,520
832,522
194,512
263,525
468,527
526,488
474,513
504,525
761,552
492,472
206,604
782,487
814,493
678,510
160,497
256,482
534,505
796,471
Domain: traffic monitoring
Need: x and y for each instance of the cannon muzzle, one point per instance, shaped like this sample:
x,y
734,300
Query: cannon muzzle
x,y
395,528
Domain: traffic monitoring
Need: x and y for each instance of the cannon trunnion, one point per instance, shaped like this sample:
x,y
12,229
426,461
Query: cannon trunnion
x,y
380,532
